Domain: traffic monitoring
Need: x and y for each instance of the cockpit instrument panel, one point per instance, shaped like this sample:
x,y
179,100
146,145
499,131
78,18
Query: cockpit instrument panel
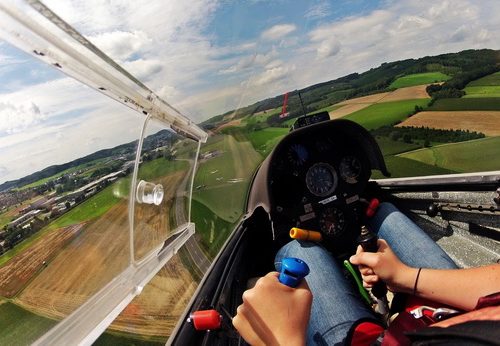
x,y
316,178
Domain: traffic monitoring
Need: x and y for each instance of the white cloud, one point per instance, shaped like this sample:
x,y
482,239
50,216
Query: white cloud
x,y
144,69
120,45
278,31
274,63
271,75
251,60
328,48
19,116
318,11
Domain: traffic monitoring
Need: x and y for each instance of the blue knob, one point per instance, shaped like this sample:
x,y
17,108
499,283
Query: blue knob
x,y
292,271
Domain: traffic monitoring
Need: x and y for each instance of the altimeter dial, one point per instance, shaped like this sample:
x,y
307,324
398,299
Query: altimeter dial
x,y
350,169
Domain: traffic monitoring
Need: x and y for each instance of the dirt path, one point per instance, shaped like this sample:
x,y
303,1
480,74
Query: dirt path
x,y
347,109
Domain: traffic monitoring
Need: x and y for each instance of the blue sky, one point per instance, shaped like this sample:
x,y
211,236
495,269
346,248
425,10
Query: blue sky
x,y
206,57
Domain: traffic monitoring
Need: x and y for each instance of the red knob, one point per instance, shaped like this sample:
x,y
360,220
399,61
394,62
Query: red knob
x,y
372,207
206,319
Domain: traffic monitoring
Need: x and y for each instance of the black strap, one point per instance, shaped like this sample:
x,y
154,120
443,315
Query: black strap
x,y
467,333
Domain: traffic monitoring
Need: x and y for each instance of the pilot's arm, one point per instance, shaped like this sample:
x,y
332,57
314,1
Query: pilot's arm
x,y
460,288
274,314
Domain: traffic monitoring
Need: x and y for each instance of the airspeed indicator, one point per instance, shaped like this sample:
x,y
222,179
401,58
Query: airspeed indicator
x,y
321,179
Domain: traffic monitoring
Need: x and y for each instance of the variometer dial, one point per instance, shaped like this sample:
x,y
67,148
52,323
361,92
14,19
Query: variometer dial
x,y
332,222
321,179
350,169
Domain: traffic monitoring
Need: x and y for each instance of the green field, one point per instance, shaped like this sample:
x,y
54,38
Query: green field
x,y
489,80
260,118
471,156
19,326
386,113
418,79
66,171
404,167
390,147
159,168
212,182
95,206
265,140
226,201
466,104
482,91
488,86
328,109
220,166
213,230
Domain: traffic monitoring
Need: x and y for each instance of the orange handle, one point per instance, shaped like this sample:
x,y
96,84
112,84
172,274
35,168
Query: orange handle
x,y
303,234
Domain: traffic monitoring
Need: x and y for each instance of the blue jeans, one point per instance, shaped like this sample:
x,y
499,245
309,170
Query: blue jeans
x,y
336,303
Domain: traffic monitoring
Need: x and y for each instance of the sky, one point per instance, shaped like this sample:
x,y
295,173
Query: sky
x,y
206,57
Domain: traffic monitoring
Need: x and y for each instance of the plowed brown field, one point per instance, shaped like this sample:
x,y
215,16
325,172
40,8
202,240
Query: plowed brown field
x,y
99,253
356,104
25,265
487,122
157,309
409,93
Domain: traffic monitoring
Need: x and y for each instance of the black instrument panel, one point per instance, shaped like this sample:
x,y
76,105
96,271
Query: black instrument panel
x,y
315,182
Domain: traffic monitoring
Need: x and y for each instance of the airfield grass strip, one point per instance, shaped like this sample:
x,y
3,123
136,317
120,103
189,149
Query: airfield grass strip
x,y
471,156
419,79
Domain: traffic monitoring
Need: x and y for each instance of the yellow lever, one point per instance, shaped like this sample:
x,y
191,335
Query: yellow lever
x,y
303,234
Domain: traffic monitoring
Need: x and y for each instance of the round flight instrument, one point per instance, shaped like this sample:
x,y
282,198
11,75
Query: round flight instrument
x,y
297,154
332,222
350,169
321,179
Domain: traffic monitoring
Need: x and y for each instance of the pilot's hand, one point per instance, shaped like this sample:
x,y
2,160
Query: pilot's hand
x,y
383,265
273,313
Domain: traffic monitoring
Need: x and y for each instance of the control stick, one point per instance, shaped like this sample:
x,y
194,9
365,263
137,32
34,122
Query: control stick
x,y
293,270
368,241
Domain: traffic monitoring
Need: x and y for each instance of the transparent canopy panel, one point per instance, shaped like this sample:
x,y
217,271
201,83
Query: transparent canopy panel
x,y
94,195
65,223
163,189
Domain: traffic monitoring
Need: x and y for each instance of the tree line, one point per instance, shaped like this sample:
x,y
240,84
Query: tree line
x,y
409,134
452,88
